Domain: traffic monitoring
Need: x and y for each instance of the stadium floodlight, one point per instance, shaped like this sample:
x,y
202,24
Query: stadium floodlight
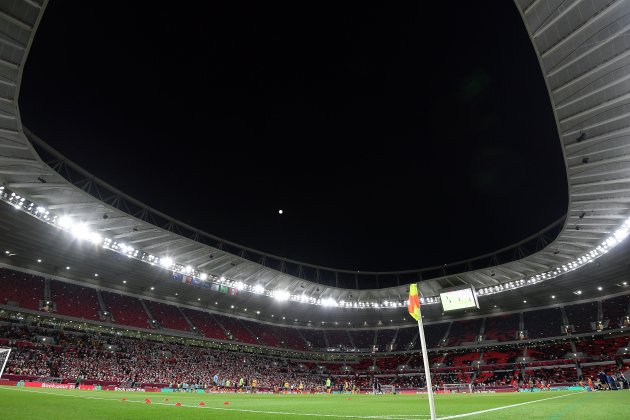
x,y
281,295
621,233
240,285
65,222
166,262
203,276
95,238
80,231
259,289
329,302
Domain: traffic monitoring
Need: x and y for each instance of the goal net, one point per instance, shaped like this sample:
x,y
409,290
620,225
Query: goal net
x,y
453,388
388,389
4,357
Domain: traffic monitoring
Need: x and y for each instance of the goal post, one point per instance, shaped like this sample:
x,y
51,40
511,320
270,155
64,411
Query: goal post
x,y
453,388
4,358
388,389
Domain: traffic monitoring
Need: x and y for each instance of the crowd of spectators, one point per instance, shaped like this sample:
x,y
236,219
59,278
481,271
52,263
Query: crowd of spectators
x,y
113,359
126,361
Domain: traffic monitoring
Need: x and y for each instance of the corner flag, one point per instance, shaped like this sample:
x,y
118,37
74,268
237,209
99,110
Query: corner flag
x,y
414,311
414,302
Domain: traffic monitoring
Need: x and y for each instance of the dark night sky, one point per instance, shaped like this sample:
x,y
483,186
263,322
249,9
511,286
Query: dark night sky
x,y
393,136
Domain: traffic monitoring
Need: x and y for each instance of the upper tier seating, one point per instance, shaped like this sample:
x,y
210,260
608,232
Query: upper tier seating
x,y
290,338
205,323
362,339
464,331
543,323
168,316
24,289
315,337
126,310
234,327
265,334
581,316
501,327
434,333
403,338
385,337
73,300
338,338
615,309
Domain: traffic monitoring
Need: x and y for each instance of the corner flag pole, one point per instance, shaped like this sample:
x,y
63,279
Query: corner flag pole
x,y
413,306
427,372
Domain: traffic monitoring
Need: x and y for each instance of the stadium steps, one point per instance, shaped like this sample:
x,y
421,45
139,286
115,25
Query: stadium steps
x,y
47,291
351,340
326,339
246,328
393,342
192,327
444,340
152,322
302,337
565,318
225,330
101,302
414,340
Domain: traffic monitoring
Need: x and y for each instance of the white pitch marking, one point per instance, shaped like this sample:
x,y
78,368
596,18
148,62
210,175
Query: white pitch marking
x,y
474,413
386,417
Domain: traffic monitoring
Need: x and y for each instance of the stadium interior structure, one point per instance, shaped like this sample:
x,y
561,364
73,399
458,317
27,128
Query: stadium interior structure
x,y
95,283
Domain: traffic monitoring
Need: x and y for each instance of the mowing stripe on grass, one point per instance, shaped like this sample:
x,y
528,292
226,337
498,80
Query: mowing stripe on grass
x,y
242,410
474,413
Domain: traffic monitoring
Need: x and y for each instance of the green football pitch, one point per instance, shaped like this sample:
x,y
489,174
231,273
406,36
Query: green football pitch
x,y
21,403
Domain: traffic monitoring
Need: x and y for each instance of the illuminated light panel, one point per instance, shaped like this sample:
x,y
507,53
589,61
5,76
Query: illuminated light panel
x,y
166,262
282,295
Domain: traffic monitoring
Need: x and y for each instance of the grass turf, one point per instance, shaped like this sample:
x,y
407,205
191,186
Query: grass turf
x,y
20,403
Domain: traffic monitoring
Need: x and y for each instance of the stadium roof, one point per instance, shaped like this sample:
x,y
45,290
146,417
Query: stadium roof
x,y
584,52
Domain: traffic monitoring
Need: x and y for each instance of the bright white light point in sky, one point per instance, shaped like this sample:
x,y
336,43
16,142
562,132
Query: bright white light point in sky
x,y
280,211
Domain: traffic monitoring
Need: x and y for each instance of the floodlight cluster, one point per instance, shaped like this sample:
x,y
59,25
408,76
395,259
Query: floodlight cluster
x,y
81,231
619,235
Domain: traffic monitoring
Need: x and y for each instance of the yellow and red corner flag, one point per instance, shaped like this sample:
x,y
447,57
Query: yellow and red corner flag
x,y
414,311
414,301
